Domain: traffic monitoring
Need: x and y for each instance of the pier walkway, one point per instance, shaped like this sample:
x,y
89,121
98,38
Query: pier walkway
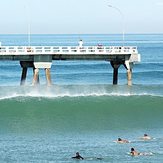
x,y
41,57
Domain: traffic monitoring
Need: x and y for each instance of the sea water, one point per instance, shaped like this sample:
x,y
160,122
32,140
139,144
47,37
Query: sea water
x,y
82,111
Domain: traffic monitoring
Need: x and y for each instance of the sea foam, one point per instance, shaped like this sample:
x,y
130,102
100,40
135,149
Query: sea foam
x,y
58,91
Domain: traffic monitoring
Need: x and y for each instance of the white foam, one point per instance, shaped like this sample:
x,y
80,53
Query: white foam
x,y
69,91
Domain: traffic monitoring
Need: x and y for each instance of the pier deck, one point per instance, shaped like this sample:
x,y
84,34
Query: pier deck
x,y
42,56
70,53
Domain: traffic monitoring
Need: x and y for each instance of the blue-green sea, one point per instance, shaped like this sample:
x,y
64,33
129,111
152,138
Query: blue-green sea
x,y
82,111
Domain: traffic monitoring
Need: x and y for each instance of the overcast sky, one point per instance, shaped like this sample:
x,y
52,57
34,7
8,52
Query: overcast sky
x,y
80,16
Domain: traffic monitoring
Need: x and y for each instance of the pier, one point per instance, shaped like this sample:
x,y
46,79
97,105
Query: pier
x,y
38,57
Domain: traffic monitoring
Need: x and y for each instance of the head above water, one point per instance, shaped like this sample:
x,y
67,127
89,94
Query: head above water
x,y
132,149
119,139
77,153
145,135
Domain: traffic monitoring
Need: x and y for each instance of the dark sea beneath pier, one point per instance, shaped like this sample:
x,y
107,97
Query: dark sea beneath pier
x,y
82,111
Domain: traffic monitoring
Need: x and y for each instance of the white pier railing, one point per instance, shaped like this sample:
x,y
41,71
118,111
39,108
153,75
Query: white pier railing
x,y
71,50
23,50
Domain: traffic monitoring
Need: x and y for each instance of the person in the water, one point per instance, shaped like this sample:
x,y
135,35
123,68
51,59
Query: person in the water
x,y
78,156
146,137
119,140
134,152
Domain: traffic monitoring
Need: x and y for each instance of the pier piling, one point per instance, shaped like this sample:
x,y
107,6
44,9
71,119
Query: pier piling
x,y
129,66
25,65
129,77
115,66
48,76
24,74
35,76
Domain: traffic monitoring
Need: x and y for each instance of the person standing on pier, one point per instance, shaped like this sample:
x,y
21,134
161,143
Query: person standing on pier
x,y
80,43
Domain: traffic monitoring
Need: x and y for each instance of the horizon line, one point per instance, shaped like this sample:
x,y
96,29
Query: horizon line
x,y
80,34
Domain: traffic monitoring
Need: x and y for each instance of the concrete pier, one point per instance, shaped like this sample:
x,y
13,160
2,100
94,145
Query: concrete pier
x,y
129,67
24,75
115,66
25,65
35,76
41,57
129,77
48,76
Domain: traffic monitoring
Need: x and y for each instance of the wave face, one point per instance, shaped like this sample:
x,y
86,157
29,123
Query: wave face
x,y
109,112
102,104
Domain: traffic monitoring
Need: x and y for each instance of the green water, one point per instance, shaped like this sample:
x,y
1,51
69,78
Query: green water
x,y
80,114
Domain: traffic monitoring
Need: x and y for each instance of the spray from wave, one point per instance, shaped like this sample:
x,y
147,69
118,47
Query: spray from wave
x,y
58,91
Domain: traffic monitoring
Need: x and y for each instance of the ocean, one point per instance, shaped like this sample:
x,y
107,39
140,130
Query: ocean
x,y
82,111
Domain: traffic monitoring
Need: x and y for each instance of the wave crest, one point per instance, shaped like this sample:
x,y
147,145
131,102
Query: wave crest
x,y
59,91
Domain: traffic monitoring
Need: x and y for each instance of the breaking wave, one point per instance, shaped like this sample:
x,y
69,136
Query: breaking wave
x,y
58,91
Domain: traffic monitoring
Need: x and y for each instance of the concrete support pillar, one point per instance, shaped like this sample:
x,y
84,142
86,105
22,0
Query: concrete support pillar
x,y
115,76
129,66
35,76
38,79
115,66
129,77
48,76
23,77
25,65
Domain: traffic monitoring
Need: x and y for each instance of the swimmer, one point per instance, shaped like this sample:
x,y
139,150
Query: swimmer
x,y
146,137
119,140
78,156
134,152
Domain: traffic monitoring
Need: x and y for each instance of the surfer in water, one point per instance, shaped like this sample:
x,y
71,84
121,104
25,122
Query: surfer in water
x,y
136,153
119,140
78,156
146,137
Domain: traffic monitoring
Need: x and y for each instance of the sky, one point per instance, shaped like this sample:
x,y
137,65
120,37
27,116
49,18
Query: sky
x,y
81,16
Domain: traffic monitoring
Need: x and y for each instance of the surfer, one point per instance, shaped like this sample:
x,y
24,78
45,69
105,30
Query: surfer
x,y
146,137
78,156
134,152
119,140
